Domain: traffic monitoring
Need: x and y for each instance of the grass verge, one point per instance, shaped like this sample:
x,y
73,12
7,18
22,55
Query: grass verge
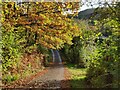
x,y
78,76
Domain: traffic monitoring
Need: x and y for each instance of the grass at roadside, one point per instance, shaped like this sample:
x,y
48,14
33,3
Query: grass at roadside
x,y
78,76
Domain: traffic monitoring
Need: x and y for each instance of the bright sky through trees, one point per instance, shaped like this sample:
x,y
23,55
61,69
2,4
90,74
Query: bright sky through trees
x,y
86,4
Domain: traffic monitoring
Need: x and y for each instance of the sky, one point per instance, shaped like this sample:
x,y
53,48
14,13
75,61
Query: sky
x,y
94,3
86,4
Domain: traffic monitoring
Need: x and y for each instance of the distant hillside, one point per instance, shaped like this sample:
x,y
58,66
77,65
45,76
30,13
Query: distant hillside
x,y
86,14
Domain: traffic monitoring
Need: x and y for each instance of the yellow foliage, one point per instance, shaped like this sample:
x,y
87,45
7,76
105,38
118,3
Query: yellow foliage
x,y
46,18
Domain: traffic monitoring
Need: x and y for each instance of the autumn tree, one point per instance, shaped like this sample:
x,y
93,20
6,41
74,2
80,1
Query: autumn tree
x,y
33,27
47,20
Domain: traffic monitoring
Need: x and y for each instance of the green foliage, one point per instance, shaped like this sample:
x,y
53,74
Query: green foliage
x,y
9,78
99,49
102,60
11,50
100,54
73,53
78,76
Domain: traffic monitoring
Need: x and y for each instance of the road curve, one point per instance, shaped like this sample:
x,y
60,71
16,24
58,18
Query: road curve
x,y
51,79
